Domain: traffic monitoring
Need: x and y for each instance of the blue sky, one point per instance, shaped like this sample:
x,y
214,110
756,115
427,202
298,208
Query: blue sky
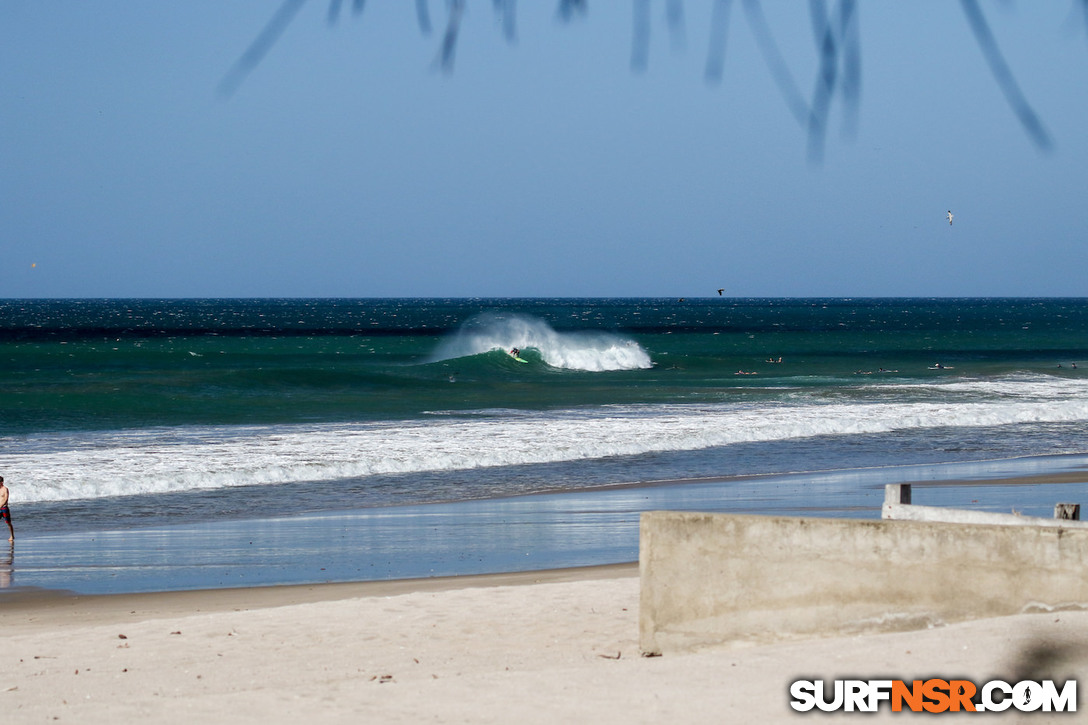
x,y
347,164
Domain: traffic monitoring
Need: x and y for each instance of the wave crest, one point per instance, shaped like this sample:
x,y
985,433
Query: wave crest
x,y
586,351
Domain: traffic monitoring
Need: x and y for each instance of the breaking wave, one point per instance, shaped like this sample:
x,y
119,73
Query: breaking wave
x,y
587,351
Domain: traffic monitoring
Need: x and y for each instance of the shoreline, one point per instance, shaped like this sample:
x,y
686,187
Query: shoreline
x,y
529,646
529,533
50,608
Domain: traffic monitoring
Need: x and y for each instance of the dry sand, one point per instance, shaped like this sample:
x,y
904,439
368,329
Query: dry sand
x,y
538,647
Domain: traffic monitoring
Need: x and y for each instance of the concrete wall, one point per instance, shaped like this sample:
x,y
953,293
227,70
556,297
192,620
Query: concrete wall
x,y
897,505
709,579
908,512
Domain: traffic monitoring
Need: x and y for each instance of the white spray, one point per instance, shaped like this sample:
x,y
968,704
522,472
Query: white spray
x,y
593,352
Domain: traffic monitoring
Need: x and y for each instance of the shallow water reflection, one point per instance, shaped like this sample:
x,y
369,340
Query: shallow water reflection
x,y
525,533
7,559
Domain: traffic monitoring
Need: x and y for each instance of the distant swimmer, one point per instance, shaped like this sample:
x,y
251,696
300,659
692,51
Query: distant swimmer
x,y
950,217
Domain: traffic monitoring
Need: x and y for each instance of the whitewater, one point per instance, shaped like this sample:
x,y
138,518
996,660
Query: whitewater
x,y
103,399
337,439
586,351
65,466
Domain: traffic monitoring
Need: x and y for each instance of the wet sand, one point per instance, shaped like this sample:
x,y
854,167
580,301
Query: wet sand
x,y
531,646
525,533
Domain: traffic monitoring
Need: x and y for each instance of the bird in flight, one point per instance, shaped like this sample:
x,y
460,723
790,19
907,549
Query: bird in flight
x,y
950,218
720,290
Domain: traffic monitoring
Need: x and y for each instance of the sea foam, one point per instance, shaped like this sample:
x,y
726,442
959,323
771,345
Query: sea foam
x,y
62,466
587,351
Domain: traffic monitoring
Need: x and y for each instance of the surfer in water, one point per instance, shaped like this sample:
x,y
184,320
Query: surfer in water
x,y
515,352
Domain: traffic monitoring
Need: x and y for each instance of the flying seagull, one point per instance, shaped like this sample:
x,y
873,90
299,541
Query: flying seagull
x,y
720,290
949,218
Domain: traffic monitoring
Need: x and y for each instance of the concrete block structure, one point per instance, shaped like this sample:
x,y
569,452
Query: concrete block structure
x,y
898,506
714,579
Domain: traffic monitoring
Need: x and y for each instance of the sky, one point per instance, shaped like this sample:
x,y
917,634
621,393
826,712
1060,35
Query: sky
x,y
349,163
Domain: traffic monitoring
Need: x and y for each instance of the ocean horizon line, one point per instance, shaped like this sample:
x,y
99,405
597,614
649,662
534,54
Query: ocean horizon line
x,y
465,298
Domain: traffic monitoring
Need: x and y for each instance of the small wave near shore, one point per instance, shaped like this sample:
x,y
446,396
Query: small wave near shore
x,y
63,466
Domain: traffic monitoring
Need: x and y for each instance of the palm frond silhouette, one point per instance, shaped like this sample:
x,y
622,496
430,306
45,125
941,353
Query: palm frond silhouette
x,y
836,37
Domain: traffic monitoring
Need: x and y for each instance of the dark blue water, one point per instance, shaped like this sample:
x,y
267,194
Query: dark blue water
x,y
133,415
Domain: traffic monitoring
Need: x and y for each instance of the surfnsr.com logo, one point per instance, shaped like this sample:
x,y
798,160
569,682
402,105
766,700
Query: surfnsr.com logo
x,y
933,695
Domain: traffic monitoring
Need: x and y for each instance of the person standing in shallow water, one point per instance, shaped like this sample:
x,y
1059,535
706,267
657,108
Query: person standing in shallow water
x,y
5,513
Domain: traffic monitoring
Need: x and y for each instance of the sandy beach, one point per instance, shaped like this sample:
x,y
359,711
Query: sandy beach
x,y
555,644
532,647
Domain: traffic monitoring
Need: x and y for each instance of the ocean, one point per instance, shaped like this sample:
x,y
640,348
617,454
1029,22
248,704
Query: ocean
x,y
122,417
